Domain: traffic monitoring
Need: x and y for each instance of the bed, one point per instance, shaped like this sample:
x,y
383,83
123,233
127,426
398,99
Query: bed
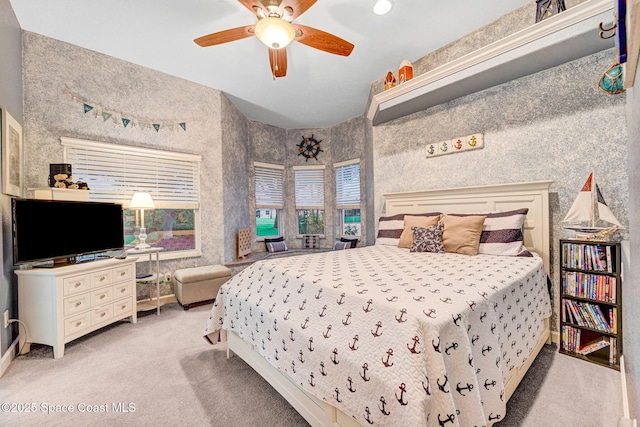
x,y
383,336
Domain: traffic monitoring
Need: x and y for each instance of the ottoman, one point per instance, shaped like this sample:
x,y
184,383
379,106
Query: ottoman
x,y
199,284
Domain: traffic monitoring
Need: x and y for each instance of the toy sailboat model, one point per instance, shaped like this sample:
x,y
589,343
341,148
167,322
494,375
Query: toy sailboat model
x,y
589,211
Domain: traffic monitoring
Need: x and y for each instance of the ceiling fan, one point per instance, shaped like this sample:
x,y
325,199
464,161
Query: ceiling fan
x,y
275,29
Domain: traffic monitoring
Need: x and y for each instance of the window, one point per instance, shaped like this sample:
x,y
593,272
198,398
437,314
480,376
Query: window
x,y
348,197
269,199
114,172
309,193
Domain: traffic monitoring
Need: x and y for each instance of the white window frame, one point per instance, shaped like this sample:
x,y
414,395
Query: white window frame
x,y
114,172
274,194
306,200
346,198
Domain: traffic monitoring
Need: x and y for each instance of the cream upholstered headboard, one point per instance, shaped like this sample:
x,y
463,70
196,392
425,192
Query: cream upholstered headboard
x,y
485,198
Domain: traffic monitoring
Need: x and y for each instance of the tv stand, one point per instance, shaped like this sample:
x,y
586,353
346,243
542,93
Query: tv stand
x,y
59,305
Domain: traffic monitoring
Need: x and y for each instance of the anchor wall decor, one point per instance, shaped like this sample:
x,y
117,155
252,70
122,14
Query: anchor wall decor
x,y
456,145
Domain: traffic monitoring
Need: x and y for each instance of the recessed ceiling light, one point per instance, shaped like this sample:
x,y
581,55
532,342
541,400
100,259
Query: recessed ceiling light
x,y
382,7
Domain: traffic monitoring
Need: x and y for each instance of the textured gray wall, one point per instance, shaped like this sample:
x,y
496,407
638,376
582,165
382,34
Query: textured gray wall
x,y
52,66
236,179
555,125
11,99
631,290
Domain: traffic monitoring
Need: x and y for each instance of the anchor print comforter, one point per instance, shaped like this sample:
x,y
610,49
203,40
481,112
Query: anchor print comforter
x,y
391,337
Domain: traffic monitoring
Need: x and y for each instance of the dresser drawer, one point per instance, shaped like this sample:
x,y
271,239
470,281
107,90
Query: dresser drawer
x,y
102,296
76,304
101,314
122,273
101,278
75,284
75,324
122,306
121,290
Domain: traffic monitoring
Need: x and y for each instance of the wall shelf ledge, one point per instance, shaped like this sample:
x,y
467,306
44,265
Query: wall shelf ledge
x,y
562,38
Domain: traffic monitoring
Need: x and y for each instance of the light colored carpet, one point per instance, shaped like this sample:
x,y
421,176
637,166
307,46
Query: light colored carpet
x,y
164,373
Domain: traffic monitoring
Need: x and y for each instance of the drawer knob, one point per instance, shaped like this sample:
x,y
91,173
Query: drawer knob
x,y
122,273
102,296
102,279
123,290
77,284
102,314
79,303
78,323
123,307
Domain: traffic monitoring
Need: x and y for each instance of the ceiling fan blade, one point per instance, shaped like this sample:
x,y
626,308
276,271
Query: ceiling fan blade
x,y
278,60
322,40
297,7
225,36
252,5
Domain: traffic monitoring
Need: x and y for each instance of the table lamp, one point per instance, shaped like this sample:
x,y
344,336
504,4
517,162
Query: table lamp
x,y
142,201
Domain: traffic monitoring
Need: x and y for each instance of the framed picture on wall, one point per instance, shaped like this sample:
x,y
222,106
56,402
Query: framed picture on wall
x,y
11,155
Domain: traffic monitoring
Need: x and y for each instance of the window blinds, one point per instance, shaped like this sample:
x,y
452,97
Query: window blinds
x,y
269,185
114,172
348,185
309,187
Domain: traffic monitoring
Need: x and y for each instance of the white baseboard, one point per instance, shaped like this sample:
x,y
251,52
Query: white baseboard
x,y
555,337
9,355
625,421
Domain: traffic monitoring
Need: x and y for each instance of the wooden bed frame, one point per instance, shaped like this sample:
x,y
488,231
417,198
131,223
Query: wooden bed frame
x,y
501,197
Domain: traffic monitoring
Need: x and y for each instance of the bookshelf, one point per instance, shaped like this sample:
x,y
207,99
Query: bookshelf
x,y
591,301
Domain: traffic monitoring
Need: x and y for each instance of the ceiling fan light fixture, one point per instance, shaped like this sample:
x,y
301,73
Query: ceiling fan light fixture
x,y
275,32
382,7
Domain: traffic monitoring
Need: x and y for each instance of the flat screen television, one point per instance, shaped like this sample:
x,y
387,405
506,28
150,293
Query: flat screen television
x,y
63,231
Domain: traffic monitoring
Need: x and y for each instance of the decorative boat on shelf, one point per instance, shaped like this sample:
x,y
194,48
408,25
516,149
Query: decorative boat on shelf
x,y
589,212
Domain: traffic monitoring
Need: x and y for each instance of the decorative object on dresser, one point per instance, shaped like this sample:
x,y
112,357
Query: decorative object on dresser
x,y
199,285
58,168
142,201
60,304
12,154
591,301
244,242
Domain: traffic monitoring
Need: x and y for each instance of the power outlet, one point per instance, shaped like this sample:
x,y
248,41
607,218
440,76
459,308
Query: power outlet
x,y
167,277
6,319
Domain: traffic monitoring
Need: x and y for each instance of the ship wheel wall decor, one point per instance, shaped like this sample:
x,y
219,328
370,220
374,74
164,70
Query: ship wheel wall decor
x,y
309,148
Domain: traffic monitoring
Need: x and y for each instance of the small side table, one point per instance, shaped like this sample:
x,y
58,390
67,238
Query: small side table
x,y
150,279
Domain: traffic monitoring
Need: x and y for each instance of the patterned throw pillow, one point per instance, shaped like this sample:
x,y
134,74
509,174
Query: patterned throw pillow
x,y
341,245
427,239
352,241
277,247
268,240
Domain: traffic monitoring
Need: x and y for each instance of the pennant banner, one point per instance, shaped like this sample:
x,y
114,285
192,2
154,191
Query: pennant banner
x,y
126,120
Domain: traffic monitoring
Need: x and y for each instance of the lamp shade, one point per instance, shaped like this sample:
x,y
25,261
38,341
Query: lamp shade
x,y
275,32
141,200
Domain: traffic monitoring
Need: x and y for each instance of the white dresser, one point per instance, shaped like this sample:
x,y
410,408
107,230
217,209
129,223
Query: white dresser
x,y
60,304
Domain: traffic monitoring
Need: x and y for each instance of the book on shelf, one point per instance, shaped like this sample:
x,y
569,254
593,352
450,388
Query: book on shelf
x,y
609,263
593,345
613,356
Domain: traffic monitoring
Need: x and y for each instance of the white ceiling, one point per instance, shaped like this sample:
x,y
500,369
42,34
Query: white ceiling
x,y
320,89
